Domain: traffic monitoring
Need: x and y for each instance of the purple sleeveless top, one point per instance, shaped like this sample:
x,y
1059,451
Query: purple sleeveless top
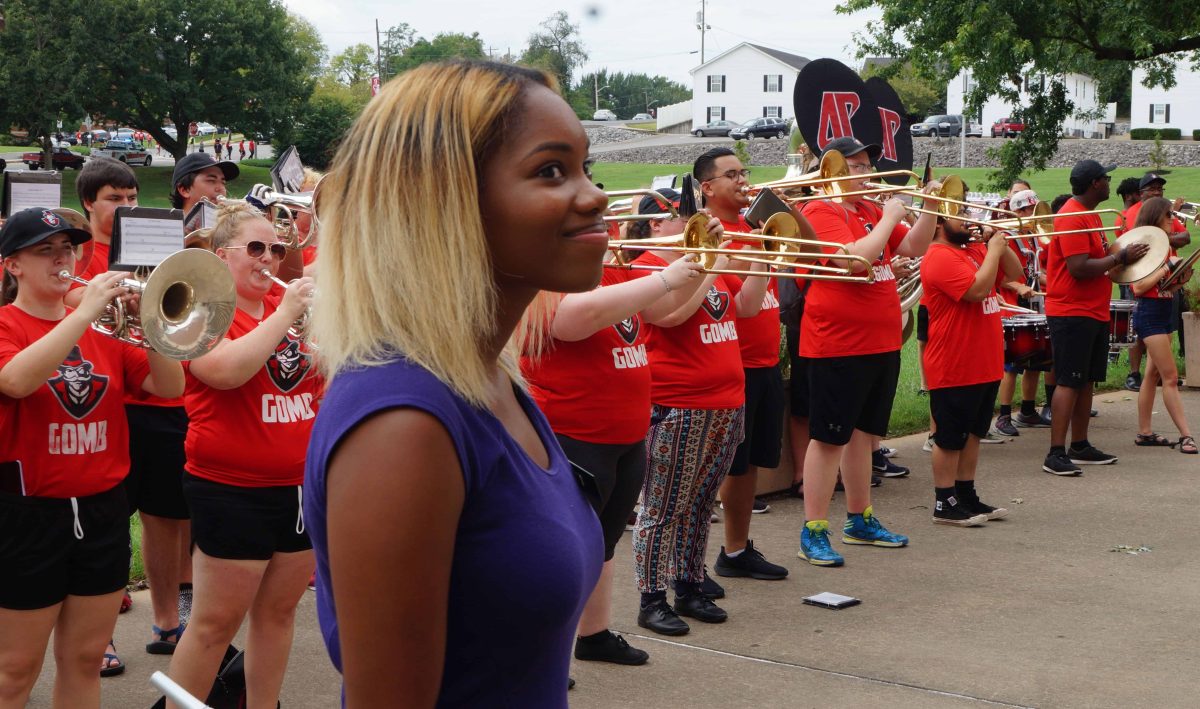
x,y
527,553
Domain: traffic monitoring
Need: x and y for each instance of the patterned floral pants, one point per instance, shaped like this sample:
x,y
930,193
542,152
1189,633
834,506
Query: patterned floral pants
x,y
688,453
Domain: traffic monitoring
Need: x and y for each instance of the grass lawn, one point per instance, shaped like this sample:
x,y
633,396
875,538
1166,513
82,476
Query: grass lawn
x,y
137,571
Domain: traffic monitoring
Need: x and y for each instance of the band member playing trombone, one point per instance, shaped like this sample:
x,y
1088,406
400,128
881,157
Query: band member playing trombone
x,y
851,333
251,404
964,360
64,451
1077,311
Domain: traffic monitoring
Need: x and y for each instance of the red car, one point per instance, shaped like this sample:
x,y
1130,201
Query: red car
x,y
1006,128
60,157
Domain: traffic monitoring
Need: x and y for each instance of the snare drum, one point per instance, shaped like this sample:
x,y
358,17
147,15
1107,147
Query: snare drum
x,y
1120,324
1027,342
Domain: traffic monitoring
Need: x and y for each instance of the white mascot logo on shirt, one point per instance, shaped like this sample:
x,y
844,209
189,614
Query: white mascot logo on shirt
x,y
287,368
76,387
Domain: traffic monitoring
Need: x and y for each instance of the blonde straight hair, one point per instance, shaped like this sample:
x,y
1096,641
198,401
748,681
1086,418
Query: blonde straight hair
x,y
406,269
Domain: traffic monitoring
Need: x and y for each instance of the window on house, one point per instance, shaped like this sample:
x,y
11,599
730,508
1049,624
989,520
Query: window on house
x,y
716,83
772,83
716,113
772,111
1160,113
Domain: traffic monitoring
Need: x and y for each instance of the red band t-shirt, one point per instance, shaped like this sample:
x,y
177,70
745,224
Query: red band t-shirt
x,y
843,319
1067,296
966,339
759,334
255,435
69,436
698,364
596,389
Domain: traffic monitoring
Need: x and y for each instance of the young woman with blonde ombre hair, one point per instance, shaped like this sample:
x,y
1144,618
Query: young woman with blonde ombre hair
x,y
455,544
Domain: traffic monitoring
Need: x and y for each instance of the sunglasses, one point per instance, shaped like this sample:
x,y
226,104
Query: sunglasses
x,y
255,249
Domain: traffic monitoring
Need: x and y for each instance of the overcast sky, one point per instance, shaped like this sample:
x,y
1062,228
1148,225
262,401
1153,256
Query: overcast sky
x,y
654,37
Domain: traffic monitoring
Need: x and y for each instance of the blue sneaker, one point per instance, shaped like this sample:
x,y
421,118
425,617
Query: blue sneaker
x,y
814,545
866,529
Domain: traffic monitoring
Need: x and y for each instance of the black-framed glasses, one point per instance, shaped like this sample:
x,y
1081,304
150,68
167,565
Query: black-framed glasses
x,y
732,174
255,249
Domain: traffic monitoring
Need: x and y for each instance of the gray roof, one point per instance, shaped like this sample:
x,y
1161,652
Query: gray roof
x,y
793,60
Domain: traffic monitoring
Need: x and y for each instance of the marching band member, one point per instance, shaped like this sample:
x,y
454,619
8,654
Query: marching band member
x,y
597,362
851,335
963,363
1077,311
64,514
427,454
1153,321
695,427
200,176
722,177
251,403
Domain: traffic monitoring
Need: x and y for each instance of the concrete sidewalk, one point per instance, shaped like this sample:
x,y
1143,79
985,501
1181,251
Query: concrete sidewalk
x,y
1033,611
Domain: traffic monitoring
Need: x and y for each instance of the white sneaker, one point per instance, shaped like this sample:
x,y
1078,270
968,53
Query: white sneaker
x,y
928,447
991,438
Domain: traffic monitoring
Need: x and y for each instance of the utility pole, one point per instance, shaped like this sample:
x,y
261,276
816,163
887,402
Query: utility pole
x,y
702,26
378,54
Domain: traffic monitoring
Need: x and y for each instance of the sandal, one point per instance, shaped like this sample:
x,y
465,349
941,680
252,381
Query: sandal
x,y
162,646
109,669
1151,439
1187,444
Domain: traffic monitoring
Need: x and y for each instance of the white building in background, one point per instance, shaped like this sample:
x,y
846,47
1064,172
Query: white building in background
x,y
748,81
1082,90
1177,107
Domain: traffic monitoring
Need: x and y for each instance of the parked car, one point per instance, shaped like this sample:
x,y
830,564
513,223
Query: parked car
x,y
721,128
1007,128
170,130
203,128
974,130
126,151
61,158
760,128
604,115
642,117
937,125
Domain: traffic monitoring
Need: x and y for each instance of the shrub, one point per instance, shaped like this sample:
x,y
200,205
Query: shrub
x,y
1196,134
739,149
1149,133
321,127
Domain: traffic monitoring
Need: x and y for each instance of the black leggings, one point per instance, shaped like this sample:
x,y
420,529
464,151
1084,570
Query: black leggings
x,y
619,471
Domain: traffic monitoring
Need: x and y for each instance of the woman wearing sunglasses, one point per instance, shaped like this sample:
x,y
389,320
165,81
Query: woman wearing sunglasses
x,y
64,452
251,403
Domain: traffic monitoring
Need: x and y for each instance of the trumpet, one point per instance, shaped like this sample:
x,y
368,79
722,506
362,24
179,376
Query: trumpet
x,y
299,328
185,308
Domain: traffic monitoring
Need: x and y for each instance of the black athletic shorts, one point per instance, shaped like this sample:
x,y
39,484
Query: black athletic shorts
x,y
922,324
962,411
47,552
853,392
798,384
1080,350
764,421
155,481
251,523
619,471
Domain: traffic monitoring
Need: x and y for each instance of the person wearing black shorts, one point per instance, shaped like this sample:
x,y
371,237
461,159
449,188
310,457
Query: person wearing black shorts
x,y
1077,312
791,313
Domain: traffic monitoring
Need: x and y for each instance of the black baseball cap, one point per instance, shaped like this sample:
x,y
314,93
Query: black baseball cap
x,y
1150,178
33,226
1087,171
849,145
195,162
650,205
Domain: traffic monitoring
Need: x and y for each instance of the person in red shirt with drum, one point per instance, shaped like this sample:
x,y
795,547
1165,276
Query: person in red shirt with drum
x,y
64,452
722,177
964,360
696,424
592,380
251,403
1154,321
1077,311
851,334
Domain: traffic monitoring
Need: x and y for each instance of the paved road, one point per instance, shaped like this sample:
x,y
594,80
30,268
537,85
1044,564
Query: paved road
x,y
14,163
1033,611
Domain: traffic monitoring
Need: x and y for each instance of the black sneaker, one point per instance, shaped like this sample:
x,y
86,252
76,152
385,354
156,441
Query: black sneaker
x,y
710,588
978,507
660,618
750,563
1060,464
1045,414
760,507
1090,455
950,512
607,646
1134,381
701,608
797,490
1030,420
1004,426
886,468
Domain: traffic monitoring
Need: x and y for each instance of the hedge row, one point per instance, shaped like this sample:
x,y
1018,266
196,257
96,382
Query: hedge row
x,y
1165,133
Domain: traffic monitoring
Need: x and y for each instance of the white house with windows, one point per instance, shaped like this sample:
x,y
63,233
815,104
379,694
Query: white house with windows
x,y
1083,91
1177,107
748,81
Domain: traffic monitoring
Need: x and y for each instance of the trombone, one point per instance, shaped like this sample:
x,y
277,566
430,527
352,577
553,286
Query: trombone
x,y
834,169
1043,228
620,216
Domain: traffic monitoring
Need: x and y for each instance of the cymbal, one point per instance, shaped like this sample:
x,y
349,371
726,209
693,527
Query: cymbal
x,y
1160,249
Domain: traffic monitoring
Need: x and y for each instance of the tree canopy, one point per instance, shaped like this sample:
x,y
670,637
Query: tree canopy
x,y
356,64
624,94
1010,46
556,48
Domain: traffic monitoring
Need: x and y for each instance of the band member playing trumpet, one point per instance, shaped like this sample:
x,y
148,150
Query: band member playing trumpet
x,y
851,333
722,177
964,360
259,385
1077,311
64,451
1153,320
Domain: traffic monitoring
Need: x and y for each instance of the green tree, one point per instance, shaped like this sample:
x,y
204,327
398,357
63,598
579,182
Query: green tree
x,y
310,50
393,42
920,95
1018,50
241,63
321,128
451,45
556,48
354,66
624,94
